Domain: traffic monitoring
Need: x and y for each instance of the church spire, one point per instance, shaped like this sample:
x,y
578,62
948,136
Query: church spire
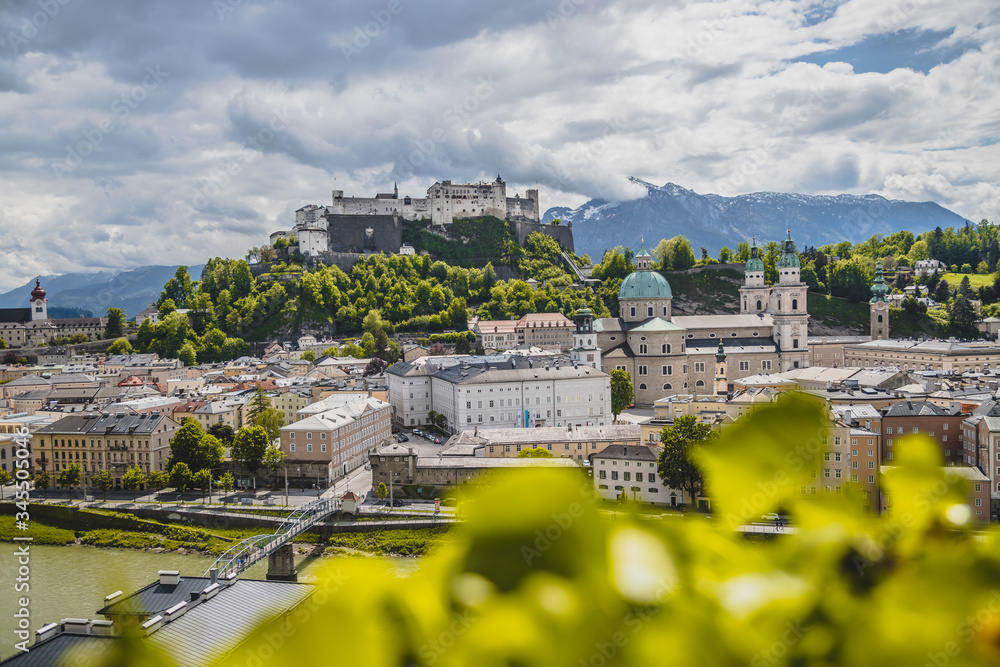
x,y
879,288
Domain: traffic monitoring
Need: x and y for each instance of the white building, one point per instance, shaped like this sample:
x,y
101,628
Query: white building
x,y
499,392
631,468
926,267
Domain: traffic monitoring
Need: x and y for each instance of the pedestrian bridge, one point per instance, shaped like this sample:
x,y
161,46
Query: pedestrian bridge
x,y
246,553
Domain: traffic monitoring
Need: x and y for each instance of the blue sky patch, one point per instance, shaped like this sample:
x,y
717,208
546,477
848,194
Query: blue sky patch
x,y
912,49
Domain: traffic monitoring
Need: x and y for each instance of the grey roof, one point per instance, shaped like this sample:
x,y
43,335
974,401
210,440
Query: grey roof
x,y
919,409
946,347
723,321
155,598
110,424
547,434
627,452
731,345
64,650
15,315
213,629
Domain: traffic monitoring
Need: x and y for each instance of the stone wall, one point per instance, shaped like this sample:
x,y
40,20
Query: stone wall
x,y
349,233
561,233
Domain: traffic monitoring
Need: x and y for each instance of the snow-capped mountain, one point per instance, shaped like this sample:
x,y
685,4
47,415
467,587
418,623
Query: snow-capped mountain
x,y
714,221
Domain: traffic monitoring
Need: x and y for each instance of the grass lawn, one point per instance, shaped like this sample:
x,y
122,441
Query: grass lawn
x,y
977,280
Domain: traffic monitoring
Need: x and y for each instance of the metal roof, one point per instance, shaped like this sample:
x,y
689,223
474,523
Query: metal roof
x,y
155,598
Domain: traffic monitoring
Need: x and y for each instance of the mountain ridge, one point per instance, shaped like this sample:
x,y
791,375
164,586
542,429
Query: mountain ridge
x,y
712,220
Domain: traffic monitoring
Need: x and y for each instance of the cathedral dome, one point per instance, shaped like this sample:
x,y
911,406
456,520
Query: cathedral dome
x,y
38,292
645,285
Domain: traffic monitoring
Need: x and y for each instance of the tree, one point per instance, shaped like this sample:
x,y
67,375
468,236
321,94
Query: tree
x,y
534,453
157,480
725,255
115,328
249,447
227,483
180,477
177,289
4,481
104,482
309,356
381,491
271,420
202,480
258,404
133,479
70,477
188,354
224,432
622,391
962,318
676,469
273,459
120,346
43,481
375,367
851,279
194,447
943,292
965,287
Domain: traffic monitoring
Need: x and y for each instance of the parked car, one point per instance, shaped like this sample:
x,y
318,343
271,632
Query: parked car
x,y
417,432
402,438
437,441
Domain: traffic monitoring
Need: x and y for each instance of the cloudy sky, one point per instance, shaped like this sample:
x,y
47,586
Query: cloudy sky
x,y
169,132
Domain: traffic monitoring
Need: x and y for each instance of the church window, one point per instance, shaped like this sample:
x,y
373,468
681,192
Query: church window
x,y
795,342
795,304
642,349
664,311
649,311
699,367
880,319
667,387
632,311
642,370
744,365
642,386
758,304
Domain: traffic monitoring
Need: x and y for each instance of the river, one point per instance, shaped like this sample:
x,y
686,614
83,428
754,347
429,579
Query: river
x,y
71,581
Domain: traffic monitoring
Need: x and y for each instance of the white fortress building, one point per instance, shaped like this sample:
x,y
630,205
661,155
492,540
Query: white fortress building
x,y
445,201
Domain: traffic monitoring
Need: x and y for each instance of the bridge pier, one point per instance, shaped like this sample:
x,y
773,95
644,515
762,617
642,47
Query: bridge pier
x,y
281,564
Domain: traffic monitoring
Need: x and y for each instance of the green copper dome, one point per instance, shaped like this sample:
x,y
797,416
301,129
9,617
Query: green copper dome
x,y
789,256
879,288
645,285
755,263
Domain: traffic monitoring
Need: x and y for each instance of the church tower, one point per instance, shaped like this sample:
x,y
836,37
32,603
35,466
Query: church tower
x,y
721,381
755,294
879,305
39,304
788,307
585,351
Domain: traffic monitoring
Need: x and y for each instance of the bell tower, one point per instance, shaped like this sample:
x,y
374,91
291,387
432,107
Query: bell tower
x,y
721,381
754,295
879,305
585,351
39,304
788,306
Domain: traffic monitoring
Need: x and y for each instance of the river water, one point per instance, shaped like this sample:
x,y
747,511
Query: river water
x,y
72,581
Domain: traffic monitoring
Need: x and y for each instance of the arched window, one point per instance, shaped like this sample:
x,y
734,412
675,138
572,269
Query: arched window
x,y
699,383
795,304
880,319
758,304
642,386
667,387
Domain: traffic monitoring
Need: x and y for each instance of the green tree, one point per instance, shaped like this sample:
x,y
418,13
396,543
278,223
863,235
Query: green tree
x,y
381,491
227,483
115,327
725,255
962,318
43,481
202,481
259,403
188,354
70,477
622,391
943,292
534,453
965,287
104,482
177,289
271,420
120,346
133,479
851,279
191,445
249,446
157,480
224,432
180,477
309,356
676,468
5,478
273,459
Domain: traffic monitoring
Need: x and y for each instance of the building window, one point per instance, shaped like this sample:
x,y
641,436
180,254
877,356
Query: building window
x,y
602,475
642,370
632,311
744,365
649,311
642,387
614,474
667,387
291,447
643,349
765,365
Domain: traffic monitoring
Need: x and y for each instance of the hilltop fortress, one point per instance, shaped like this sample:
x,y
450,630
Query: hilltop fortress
x,y
372,224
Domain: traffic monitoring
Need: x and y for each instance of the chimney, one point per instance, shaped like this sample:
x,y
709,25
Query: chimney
x,y
170,577
175,612
100,628
46,631
76,626
213,574
153,624
210,591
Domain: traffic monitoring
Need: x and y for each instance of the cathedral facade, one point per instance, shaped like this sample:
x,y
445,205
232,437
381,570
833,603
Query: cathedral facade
x,y
668,355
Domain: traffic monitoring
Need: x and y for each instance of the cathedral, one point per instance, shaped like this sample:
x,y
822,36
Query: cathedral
x,y
667,355
32,326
